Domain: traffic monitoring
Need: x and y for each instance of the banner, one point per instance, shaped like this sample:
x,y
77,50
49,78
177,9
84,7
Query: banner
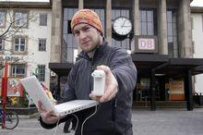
x,y
176,90
15,88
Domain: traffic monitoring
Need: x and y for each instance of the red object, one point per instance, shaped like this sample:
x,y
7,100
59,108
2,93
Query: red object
x,y
4,92
15,88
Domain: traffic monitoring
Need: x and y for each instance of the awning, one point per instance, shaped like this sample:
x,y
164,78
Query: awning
x,y
145,63
61,69
162,64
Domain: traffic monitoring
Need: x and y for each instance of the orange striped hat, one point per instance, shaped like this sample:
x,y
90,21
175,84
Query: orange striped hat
x,y
87,16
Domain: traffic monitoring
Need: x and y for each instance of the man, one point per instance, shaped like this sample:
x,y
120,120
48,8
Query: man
x,y
113,116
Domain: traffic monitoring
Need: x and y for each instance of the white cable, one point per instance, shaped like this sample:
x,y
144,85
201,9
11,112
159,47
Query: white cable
x,y
87,119
57,124
77,121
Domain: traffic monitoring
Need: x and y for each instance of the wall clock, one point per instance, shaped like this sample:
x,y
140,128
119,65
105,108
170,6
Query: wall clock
x,y
122,26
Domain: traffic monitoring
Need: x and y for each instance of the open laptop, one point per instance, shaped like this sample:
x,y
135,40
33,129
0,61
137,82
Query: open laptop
x,y
37,93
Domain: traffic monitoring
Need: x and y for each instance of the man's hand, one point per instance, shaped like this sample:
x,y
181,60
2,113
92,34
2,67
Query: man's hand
x,y
111,86
48,117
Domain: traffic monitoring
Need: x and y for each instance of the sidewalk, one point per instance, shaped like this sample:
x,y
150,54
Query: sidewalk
x,y
145,122
30,116
168,122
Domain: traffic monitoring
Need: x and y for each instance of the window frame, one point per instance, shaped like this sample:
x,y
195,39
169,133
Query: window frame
x,y
45,46
41,23
2,43
21,25
19,45
4,23
15,74
145,22
41,72
202,22
173,48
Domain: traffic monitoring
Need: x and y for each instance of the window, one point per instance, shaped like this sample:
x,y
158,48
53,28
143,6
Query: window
x,y
18,70
125,43
202,22
68,44
41,72
19,44
21,19
147,22
2,19
1,74
193,47
43,19
172,34
1,44
42,44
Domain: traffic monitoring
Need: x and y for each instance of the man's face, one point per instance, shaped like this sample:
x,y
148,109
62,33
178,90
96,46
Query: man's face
x,y
87,37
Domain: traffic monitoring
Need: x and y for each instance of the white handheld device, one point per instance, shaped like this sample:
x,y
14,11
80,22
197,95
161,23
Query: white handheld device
x,y
99,82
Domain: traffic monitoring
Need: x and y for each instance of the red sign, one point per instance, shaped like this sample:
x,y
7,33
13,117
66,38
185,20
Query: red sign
x,y
15,88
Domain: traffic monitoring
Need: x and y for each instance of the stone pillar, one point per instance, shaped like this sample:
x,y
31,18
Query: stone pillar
x,y
81,4
108,21
188,90
162,27
184,29
137,21
56,34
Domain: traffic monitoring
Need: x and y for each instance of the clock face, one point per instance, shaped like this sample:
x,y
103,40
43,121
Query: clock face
x,y
122,26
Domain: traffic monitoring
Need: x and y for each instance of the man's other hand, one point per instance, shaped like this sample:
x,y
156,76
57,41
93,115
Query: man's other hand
x,y
48,117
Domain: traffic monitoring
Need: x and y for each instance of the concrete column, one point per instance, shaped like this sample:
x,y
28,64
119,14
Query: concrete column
x,y
188,90
184,29
137,21
162,27
56,34
108,21
81,4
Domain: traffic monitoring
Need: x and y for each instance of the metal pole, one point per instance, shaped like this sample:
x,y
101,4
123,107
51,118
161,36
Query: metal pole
x,y
4,92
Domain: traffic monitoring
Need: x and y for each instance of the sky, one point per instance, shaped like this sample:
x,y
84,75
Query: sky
x,y
197,3
27,0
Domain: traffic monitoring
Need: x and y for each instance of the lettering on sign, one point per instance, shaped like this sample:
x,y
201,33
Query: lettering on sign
x,y
146,44
9,58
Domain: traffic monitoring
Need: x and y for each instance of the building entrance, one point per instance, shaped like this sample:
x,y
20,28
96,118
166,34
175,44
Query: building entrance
x,y
161,89
143,89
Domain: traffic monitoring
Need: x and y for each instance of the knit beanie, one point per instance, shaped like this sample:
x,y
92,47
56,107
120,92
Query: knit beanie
x,y
87,16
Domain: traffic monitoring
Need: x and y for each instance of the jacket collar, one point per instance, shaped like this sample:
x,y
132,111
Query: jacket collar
x,y
99,51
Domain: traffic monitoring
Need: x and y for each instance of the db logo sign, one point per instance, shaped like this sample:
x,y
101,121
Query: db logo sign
x,y
146,44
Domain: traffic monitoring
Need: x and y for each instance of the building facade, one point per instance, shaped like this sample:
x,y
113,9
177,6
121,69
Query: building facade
x,y
160,43
25,39
197,34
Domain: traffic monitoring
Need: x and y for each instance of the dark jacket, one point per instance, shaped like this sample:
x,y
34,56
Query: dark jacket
x,y
113,117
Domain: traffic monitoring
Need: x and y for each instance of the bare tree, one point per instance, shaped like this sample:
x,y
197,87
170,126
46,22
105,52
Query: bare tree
x,y
16,21
13,21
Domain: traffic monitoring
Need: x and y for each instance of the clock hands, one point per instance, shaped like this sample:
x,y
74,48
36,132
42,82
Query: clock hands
x,y
125,24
